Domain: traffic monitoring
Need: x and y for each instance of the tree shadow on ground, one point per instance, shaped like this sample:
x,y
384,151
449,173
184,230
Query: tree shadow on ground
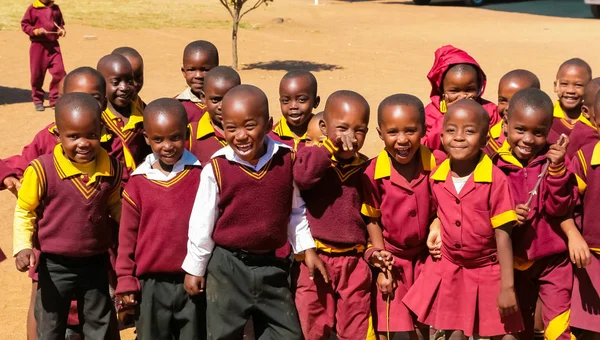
x,y
553,8
288,65
12,95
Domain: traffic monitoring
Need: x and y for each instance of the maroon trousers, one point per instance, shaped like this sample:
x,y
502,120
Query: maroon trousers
x,y
45,56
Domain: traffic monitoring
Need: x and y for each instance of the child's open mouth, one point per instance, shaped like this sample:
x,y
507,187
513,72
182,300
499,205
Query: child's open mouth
x,y
244,149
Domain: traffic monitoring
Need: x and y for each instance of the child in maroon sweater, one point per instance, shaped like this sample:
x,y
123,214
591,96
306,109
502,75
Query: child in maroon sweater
x,y
153,236
199,57
43,23
540,241
206,135
137,64
298,98
330,179
80,184
228,242
584,133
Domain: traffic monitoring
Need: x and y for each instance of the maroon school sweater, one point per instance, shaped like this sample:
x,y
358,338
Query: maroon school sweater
x,y
333,195
5,171
542,235
194,110
43,17
204,140
72,217
254,207
154,226
586,165
581,135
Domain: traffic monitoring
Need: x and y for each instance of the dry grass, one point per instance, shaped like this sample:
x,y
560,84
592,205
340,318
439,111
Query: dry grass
x,y
128,14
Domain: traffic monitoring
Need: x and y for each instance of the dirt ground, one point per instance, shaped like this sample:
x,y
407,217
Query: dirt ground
x,y
374,47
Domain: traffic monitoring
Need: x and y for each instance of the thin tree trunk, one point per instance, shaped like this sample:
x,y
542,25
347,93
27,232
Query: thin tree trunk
x,y
234,46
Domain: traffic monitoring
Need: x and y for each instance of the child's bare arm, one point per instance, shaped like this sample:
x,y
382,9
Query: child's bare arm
x,y
507,300
578,249
377,256
434,239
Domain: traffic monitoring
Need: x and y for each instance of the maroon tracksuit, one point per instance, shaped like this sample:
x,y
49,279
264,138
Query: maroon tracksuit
x,y
44,54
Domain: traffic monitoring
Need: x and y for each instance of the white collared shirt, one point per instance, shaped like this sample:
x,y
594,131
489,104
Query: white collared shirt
x,y
156,175
206,212
188,95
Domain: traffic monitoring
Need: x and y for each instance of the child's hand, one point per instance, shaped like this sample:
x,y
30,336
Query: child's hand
x,y
12,184
556,153
434,240
507,302
24,260
386,284
128,299
312,261
522,211
382,259
62,32
41,31
346,141
194,285
579,251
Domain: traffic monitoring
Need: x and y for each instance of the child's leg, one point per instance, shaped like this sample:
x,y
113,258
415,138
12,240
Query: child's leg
x,y
555,293
31,324
353,311
527,294
315,300
38,66
230,292
57,282
189,317
538,327
275,315
97,314
156,304
455,335
57,71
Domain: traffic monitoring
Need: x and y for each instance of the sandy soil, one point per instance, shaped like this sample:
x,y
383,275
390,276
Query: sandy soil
x,y
374,47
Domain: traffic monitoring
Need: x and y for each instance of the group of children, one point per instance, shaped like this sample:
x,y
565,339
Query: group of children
x,y
201,213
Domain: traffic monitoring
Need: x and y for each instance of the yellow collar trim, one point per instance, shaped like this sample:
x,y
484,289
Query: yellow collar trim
x,y
560,114
506,154
66,169
383,167
481,174
205,127
136,117
283,130
496,130
39,4
596,155
357,160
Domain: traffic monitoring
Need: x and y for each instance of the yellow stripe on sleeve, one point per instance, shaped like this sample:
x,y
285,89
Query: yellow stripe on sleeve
x,y
503,218
581,184
370,211
583,162
557,326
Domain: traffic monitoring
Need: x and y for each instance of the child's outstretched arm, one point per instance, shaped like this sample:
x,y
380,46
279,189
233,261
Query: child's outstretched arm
x,y
312,163
202,223
578,249
507,300
25,217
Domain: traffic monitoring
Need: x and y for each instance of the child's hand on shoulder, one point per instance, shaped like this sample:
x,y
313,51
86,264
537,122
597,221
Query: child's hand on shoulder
x,y
24,260
507,302
313,261
556,153
12,184
386,284
382,259
522,211
194,285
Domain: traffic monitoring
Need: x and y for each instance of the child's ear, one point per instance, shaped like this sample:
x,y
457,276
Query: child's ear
x,y
585,111
146,137
555,87
505,126
270,125
183,71
379,133
188,132
317,102
323,127
485,140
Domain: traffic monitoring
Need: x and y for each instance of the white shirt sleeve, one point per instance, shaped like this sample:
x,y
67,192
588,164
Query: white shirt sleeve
x,y
298,229
202,223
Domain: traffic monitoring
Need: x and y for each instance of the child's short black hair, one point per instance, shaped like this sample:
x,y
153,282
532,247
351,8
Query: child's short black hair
x,y
225,73
75,102
165,106
461,69
202,46
591,89
252,91
402,99
301,73
576,62
127,51
85,71
483,117
597,103
531,98
346,95
109,60
523,74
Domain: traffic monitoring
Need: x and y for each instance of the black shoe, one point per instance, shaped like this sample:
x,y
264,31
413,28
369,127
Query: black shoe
x,y
39,107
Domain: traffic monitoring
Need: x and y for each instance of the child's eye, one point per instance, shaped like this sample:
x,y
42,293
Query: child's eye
x,y
114,83
284,100
72,137
519,129
157,140
250,126
92,136
302,100
175,138
341,128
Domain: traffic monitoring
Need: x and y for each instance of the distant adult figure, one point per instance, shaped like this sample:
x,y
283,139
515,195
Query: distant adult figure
x,y
43,23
